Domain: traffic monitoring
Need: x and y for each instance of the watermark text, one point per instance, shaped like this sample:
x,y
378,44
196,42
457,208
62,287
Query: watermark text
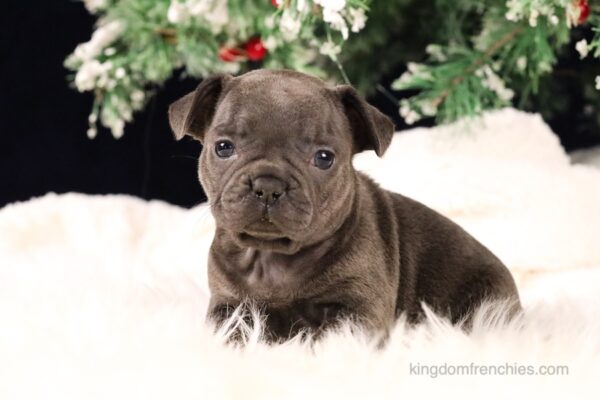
x,y
474,369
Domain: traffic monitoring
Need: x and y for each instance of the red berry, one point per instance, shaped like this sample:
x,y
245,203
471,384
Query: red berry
x,y
275,3
230,54
584,11
255,50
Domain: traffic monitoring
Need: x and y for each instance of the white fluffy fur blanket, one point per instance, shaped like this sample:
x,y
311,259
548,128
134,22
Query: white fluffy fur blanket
x,y
104,297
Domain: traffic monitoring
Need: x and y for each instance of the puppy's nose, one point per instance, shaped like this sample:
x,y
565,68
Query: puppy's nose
x,y
268,189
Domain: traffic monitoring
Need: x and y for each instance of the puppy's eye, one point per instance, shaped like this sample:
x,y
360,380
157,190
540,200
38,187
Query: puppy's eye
x,y
224,148
324,159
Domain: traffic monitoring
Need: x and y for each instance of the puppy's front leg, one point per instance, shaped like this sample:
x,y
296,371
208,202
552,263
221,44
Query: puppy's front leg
x,y
220,310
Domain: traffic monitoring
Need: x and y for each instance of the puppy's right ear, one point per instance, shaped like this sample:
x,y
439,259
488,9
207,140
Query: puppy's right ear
x,y
193,113
372,129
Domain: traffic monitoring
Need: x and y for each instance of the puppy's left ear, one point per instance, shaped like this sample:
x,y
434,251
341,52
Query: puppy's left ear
x,y
193,113
372,129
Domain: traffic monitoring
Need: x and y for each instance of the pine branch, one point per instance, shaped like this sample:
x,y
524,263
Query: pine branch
x,y
169,35
479,62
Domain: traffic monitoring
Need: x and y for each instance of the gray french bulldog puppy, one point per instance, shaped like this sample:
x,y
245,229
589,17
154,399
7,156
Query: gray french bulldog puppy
x,y
305,236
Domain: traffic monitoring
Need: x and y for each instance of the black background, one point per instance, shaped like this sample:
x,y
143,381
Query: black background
x,y
43,122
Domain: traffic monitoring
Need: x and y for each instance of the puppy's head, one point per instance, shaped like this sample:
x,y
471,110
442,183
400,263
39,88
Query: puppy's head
x,y
277,158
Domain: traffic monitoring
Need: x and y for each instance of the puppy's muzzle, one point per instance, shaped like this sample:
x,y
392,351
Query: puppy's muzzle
x,y
268,189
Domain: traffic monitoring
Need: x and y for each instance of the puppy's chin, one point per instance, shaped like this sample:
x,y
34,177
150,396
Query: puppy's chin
x,y
258,241
264,235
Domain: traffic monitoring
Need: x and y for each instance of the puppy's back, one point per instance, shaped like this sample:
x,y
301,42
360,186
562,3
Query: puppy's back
x,y
440,263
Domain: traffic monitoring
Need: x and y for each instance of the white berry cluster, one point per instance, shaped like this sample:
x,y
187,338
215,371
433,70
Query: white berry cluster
x,y
339,16
138,44
533,10
213,12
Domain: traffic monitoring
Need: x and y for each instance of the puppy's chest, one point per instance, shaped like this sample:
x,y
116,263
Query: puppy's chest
x,y
270,275
282,288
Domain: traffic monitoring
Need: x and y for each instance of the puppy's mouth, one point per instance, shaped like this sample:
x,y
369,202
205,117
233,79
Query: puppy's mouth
x,y
265,236
260,240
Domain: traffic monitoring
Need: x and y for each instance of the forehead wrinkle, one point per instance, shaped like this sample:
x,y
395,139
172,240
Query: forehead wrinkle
x,y
277,110
282,94
272,114
231,119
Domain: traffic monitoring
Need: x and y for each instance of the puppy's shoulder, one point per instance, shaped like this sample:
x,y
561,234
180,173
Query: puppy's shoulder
x,y
405,208
374,197
414,220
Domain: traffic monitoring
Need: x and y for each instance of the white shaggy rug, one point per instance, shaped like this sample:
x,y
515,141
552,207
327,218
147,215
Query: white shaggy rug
x,y
104,297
